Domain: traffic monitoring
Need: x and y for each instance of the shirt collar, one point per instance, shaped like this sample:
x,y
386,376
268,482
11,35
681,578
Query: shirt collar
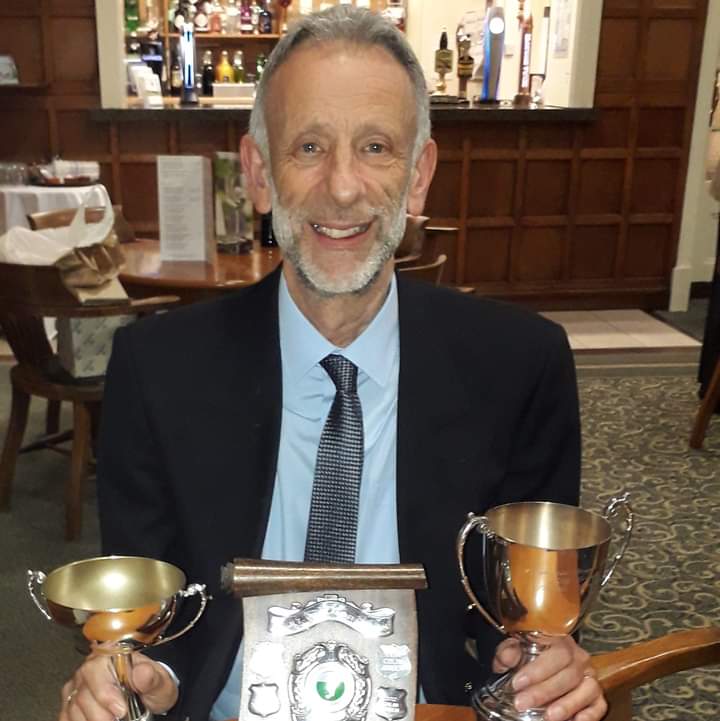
x,y
302,346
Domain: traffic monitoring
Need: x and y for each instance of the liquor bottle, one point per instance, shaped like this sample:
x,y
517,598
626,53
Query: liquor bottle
x,y
238,67
260,63
245,17
218,20
255,10
523,98
267,236
176,76
223,70
132,16
208,73
266,20
233,17
202,19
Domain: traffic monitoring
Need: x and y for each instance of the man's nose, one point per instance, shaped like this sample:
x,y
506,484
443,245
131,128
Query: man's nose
x,y
344,181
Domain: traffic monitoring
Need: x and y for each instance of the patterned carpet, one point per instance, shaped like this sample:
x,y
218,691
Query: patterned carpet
x,y
635,439
635,434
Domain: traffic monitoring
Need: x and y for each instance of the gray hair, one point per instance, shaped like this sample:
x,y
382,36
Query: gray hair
x,y
347,24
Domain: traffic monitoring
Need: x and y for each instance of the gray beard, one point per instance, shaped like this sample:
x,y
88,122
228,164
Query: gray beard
x,y
288,225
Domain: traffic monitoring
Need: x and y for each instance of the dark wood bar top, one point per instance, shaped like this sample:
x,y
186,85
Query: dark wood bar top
x,y
470,113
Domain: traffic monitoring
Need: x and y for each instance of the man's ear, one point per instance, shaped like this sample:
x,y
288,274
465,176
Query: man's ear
x,y
421,177
257,174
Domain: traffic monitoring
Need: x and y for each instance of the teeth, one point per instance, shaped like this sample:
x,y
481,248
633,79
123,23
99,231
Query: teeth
x,y
340,233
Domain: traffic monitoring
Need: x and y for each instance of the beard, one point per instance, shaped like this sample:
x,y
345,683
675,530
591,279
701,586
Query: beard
x,y
388,223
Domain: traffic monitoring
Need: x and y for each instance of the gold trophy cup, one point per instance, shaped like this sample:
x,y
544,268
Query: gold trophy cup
x,y
543,565
119,604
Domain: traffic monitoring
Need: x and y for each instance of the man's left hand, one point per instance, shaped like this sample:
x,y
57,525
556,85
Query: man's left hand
x,y
561,678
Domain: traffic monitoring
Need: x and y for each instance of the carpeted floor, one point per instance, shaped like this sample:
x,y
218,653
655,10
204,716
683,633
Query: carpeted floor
x,y
635,439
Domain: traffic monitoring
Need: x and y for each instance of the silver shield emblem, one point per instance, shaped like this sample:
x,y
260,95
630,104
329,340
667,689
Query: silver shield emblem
x,y
329,682
391,703
264,699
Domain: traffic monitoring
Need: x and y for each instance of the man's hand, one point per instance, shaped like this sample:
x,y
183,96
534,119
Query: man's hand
x,y
92,693
561,678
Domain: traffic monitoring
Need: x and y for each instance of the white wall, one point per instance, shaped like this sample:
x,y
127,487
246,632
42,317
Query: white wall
x,y
698,230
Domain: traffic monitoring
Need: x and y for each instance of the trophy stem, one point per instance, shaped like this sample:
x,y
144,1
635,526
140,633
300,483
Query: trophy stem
x,y
496,700
122,665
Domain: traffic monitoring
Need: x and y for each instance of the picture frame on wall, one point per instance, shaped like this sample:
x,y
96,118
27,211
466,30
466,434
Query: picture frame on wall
x,y
8,71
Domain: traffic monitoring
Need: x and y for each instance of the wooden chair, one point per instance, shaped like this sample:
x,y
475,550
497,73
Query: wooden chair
x,y
27,294
707,408
619,672
432,272
61,218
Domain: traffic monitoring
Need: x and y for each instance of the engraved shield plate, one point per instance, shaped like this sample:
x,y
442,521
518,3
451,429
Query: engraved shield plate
x,y
330,656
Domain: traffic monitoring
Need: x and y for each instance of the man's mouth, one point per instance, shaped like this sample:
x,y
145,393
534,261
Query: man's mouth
x,y
339,233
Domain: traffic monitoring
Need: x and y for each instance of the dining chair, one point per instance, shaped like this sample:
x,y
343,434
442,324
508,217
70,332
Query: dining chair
x,y
431,272
63,217
707,407
27,294
621,671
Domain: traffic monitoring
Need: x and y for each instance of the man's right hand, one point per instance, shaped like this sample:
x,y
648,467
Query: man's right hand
x,y
92,693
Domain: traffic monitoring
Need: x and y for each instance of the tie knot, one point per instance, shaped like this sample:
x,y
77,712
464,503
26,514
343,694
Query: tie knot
x,y
342,371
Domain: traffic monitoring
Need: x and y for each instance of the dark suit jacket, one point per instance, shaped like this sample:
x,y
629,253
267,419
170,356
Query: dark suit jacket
x,y
487,414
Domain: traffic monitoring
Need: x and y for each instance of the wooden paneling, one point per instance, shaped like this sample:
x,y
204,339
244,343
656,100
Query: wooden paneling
x,y
601,186
550,214
491,188
593,252
21,37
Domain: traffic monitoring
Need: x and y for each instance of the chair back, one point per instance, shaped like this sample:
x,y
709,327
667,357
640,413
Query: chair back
x,y
431,272
63,217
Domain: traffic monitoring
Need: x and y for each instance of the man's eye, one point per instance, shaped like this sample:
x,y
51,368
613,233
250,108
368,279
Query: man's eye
x,y
309,148
376,148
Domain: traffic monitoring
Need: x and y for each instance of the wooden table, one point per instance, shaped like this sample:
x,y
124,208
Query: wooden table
x,y
144,274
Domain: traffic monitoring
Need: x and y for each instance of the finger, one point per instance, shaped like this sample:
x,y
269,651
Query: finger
x,y
153,682
507,655
84,706
585,703
551,662
557,686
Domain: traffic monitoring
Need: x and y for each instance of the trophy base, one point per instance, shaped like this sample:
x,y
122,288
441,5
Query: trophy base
x,y
495,702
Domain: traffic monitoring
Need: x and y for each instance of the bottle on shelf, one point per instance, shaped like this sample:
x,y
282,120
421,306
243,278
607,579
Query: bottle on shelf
x,y
267,236
232,13
202,17
217,22
238,67
260,63
266,19
245,17
208,73
255,11
176,75
132,16
223,70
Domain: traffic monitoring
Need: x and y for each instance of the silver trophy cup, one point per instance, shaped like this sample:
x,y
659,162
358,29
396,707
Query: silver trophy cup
x,y
119,604
543,565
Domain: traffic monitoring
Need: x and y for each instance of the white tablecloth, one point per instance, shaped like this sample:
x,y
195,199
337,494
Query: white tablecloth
x,y
18,201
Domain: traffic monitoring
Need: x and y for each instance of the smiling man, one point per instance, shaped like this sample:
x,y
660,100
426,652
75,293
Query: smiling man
x,y
229,426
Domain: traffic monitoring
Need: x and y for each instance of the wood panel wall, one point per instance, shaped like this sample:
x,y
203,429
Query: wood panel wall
x,y
552,215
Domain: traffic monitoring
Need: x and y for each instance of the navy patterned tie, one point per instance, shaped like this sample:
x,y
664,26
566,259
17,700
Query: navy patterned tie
x,y
332,525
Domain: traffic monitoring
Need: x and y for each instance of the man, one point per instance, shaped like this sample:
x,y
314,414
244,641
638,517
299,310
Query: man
x,y
214,414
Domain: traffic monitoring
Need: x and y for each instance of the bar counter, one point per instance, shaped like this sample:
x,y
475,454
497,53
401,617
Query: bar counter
x,y
491,113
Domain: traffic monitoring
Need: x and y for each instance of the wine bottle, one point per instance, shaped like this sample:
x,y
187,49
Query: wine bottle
x,y
208,73
267,236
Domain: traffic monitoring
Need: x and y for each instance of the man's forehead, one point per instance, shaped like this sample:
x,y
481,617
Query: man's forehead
x,y
340,58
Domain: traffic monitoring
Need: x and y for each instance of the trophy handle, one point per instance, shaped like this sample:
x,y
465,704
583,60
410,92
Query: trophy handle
x,y
194,589
35,580
472,522
620,504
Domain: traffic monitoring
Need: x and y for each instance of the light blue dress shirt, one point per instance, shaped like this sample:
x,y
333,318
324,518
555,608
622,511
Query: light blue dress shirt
x,y
308,393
